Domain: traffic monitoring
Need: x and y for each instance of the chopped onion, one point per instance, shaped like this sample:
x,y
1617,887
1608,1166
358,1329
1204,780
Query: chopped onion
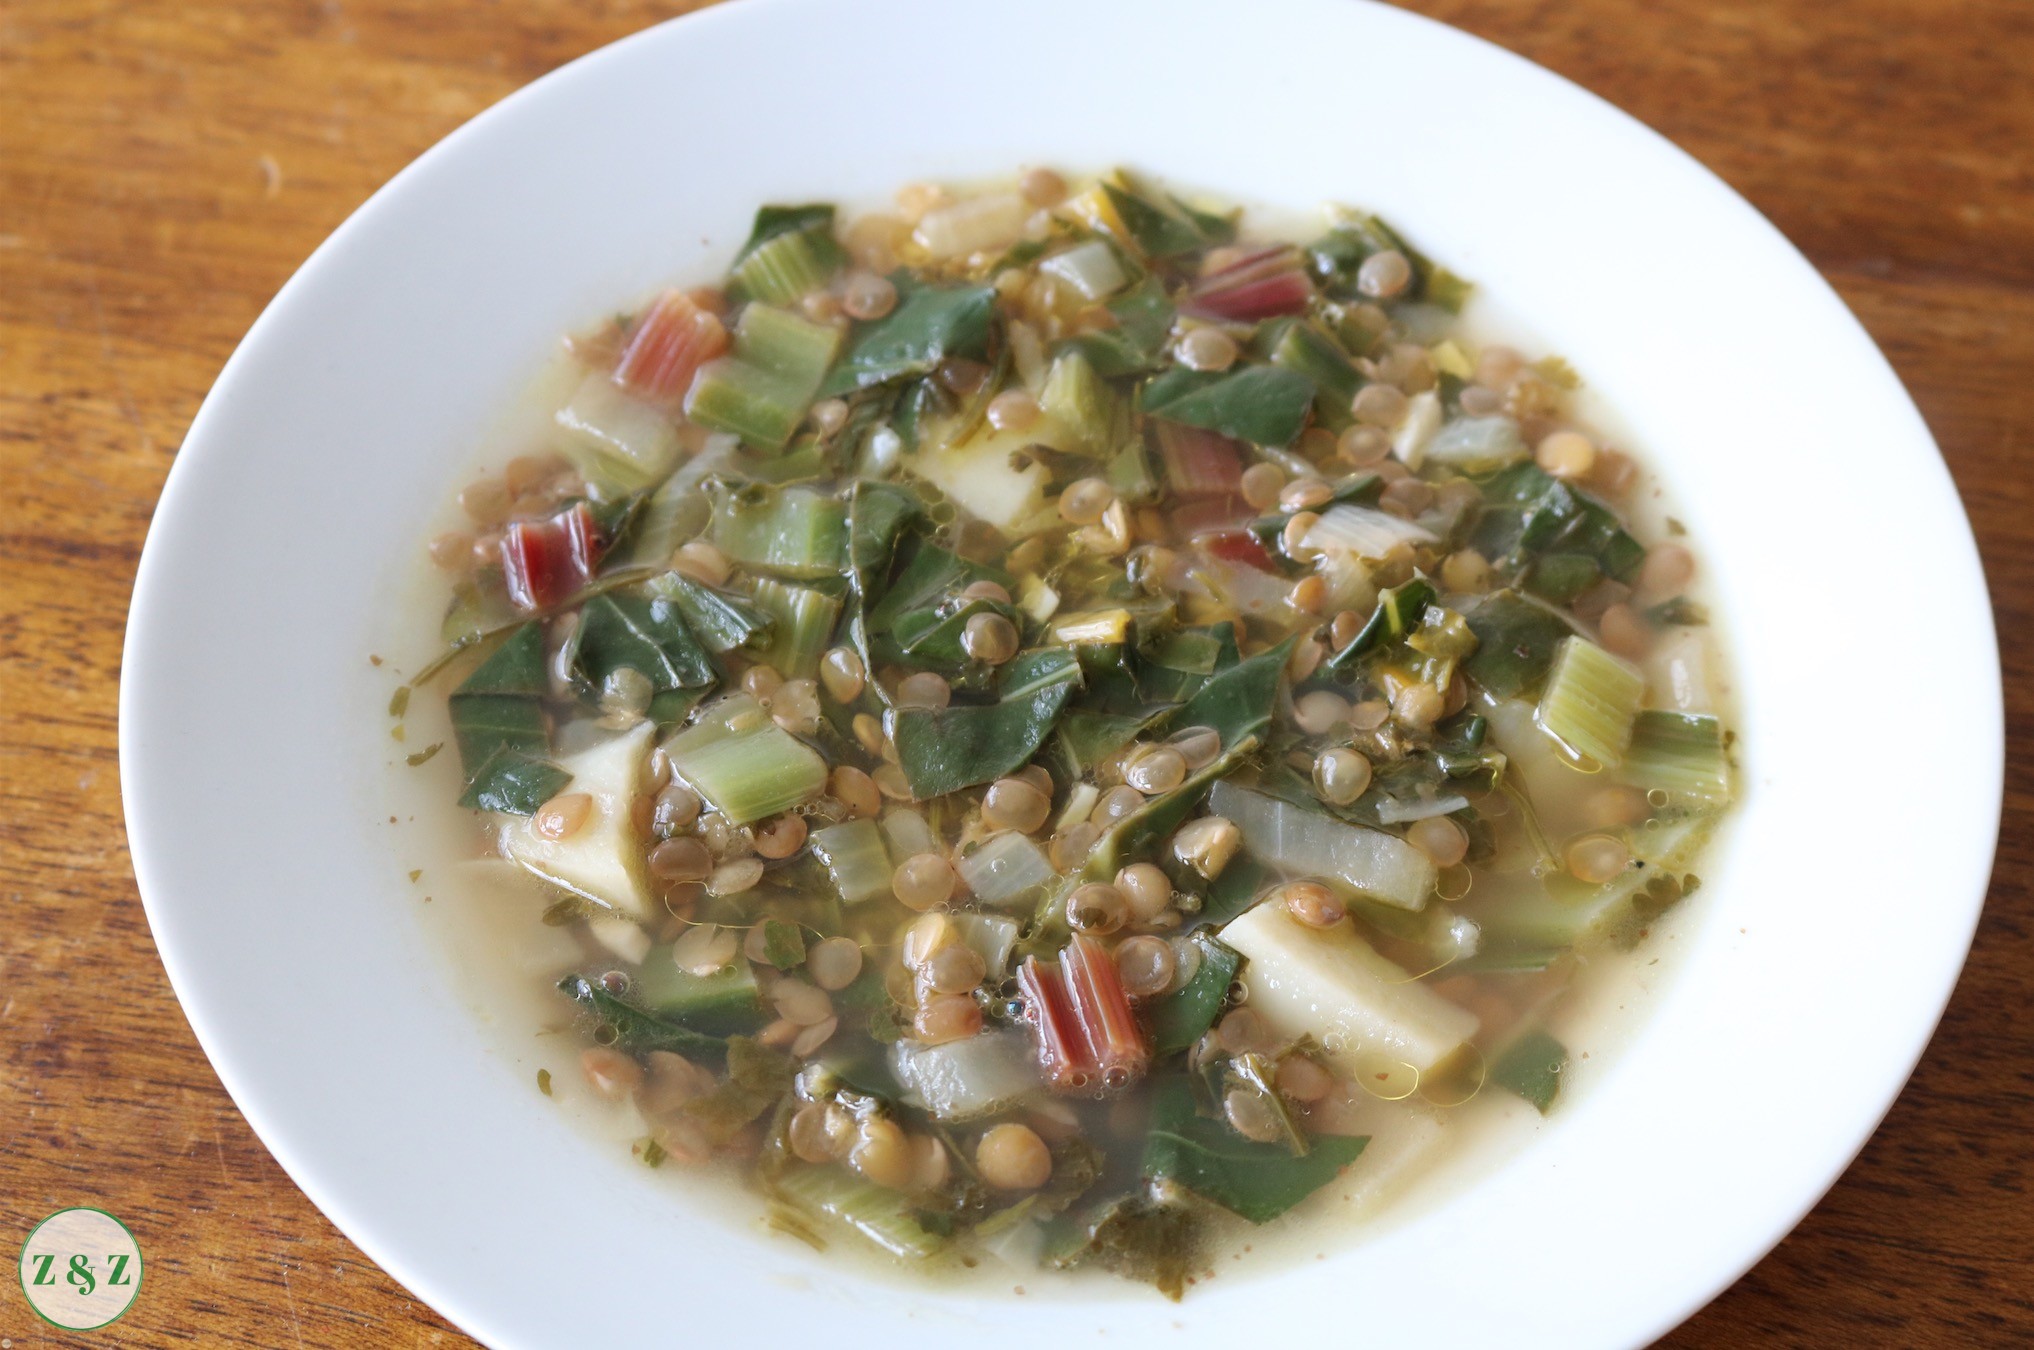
x,y
966,1079
907,834
1477,444
1364,531
1308,844
993,937
1397,811
1005,867
1422,420
1091,268
973,224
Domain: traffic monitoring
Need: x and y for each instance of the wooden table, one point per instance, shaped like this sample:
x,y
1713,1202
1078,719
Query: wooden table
x,y
165,165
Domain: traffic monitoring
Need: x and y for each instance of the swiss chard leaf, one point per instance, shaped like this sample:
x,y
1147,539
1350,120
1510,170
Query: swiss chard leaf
x,y
721,620
1516,643
1182,1017
877,515
626,1027
503,735
515,667
645,634
1532,1068
1528,513
1143,315
515,784
1236,889
1089,735
1266,405
1138,1238
1237,702
942,750
1164,228
929,324
1256,1181
911,609
772,221
757,1079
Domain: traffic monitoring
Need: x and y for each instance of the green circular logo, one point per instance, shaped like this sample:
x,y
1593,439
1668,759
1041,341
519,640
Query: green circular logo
x,y
81,1269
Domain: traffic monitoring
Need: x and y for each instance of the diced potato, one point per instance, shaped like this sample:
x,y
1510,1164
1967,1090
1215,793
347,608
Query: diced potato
x,y
973,224
989,476
603,860
1332,985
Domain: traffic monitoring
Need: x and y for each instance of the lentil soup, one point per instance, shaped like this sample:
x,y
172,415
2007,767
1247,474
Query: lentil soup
x,y
1042,729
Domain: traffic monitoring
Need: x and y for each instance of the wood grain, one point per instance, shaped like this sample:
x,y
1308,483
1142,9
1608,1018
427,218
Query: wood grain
x,y
163,168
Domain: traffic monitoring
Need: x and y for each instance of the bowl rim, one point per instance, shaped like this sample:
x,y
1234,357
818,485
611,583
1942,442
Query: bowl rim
x,y
153,602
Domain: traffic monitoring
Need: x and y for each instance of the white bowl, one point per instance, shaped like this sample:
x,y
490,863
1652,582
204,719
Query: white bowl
x,y
1819,956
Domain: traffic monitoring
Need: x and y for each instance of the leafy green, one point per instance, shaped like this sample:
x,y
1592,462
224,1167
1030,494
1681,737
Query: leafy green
x,y
1399,611
516,667
1238,886
757,1079
1515,642
1529,513
1162,227
1139,1238
1266,405
1143,315
1256,1181
772,221
942,750
929,324
910,612
721,620
1182,1017
1238,702
1090,736
503,735
724,1003
1532,1068
624,1026
514,784
646,634
877,514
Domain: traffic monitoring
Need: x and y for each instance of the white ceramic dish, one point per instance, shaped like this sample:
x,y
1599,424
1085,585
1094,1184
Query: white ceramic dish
x,y
249,719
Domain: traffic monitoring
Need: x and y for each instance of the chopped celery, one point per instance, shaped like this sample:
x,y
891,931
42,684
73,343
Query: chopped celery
x,y
1679,753
788,266
853,855
761,392
746,401
802,622
743,764
885,1217
616,439
725,1003
1082,402
1590,702
795,531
